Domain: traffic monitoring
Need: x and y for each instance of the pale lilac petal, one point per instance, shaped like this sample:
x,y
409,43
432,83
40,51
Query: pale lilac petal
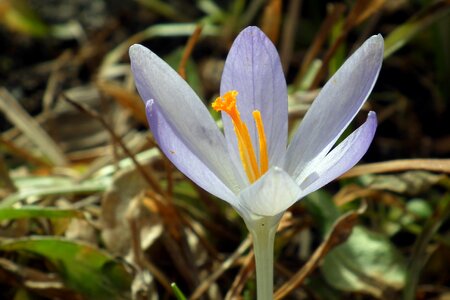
x,y
340,159
192,128
253,68
270,195
182,156
335,107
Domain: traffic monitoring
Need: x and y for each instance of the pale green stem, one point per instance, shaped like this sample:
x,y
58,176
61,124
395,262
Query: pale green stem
x,y
263,233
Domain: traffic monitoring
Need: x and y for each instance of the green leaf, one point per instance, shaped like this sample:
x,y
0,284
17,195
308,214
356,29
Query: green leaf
x,y
321,206
37,212
405,32
46,186
19,16
420,208
83,267
367,263
164,9
409,183
339,56
178,293
192,74
321,290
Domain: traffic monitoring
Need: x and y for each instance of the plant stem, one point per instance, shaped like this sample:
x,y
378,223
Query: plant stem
x,y
263,233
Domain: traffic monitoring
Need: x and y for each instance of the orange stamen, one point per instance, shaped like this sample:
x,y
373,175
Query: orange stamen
x,y
263,155
227,104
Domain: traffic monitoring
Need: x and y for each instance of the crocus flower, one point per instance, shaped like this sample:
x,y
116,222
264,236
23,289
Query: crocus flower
x,y
253,81
249,164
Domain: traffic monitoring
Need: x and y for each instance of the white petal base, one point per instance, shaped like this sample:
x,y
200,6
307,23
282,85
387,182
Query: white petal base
x,y
270,195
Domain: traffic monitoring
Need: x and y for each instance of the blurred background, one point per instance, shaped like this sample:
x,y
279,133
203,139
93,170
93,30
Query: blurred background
x,y
90,209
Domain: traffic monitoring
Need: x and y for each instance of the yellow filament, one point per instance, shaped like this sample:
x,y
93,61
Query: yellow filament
x,y
263,155
227,104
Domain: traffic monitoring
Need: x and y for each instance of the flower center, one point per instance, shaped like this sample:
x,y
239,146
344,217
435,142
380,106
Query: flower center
x,y
227,104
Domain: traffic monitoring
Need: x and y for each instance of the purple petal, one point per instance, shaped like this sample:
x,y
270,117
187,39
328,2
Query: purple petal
x,y
182,156
182,125
253,68
335,107
340,159
270,195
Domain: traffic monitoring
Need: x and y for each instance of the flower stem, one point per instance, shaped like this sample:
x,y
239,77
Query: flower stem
x,y
263,233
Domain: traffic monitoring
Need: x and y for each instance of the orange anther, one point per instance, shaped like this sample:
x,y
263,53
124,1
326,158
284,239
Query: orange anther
x,y
227,104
